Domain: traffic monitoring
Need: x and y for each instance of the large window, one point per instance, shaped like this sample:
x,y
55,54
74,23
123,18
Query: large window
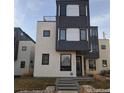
x,y
83,34
65,64
104,63
73,34
92,65
45,59
62,34
62,10
46,33
22,64
72,10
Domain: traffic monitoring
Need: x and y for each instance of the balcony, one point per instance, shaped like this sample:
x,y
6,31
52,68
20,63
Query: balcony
x,y
49,18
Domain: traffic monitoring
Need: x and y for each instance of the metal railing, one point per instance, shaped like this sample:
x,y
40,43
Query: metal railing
x,y
49,18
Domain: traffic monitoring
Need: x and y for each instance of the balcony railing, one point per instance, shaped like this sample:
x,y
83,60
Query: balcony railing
x,y
49,18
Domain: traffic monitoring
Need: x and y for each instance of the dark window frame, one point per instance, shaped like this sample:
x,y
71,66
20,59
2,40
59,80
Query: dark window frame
x,y
103,64
60,35
62,10
93,67
44,63
103,46
82,12
24,48
85,35
22,65
46,35
65,68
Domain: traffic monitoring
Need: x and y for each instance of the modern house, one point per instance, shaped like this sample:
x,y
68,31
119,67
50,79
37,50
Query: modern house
x,y
24,47
67,46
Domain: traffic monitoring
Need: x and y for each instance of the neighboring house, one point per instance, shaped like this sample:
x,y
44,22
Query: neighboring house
x,y
103,62
24,47
64,45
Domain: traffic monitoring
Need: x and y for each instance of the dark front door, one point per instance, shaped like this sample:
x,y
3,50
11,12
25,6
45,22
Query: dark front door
x,y
79,65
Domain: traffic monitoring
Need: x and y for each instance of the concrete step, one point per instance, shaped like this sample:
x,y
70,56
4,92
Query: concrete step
x,y
61,84
67,84
67,88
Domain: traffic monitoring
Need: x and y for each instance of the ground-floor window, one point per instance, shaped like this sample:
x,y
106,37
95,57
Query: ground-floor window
x,y
45,59
65,62
92,65
104,63
22,64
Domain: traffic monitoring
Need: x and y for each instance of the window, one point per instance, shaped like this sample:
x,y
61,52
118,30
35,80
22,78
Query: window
x,y
45,59
72,10
83,34
46,33
83,11
103,46
65,62
22,64
31,64
73,34
104,63
92,65
93,32
24,48
62,10
62,34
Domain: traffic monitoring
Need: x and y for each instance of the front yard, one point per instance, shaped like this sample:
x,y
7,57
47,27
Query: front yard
x,y
41,83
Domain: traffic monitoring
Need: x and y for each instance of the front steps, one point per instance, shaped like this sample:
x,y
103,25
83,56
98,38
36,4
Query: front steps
x,y
67,85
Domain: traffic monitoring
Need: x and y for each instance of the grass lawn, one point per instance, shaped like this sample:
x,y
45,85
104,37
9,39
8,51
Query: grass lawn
x,y
42,83
33,83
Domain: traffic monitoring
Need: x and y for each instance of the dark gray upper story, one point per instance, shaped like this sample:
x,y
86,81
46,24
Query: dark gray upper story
x,y
19,35
89,48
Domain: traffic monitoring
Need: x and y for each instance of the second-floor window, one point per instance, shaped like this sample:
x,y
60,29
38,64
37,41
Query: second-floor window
x,y
103,46
83,10
62,34
46,33
83,34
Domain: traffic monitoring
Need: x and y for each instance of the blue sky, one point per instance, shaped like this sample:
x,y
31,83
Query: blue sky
x,y
28,12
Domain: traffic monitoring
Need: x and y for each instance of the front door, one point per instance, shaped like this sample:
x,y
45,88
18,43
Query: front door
x,y
79,65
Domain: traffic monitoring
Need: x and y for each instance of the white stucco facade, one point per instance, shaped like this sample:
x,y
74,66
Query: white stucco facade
x,y
104,54
26,56
47,45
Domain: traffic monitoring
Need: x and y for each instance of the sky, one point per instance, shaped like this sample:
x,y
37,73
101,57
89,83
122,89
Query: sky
x,y
28,12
